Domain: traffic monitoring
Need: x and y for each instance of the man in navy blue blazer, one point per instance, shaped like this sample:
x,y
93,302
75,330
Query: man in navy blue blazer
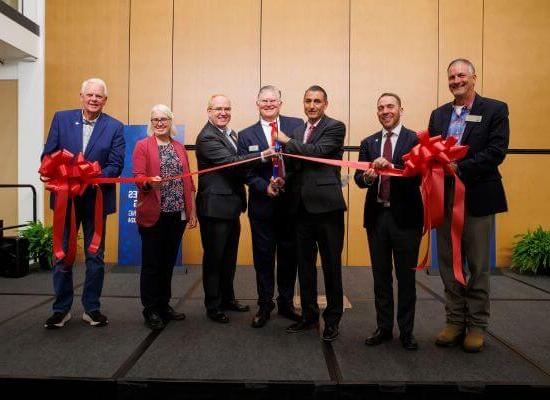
x,y
482,124
100,137
273,231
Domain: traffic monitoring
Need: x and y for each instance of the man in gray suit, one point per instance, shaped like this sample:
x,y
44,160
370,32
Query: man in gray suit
x,y
220,200
318,205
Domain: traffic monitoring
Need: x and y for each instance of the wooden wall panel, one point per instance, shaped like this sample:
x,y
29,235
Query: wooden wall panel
x,y
303,44
216,50
516,64
9,145
388,54
150,72
393,49
216,57
528,200
459,37
77,48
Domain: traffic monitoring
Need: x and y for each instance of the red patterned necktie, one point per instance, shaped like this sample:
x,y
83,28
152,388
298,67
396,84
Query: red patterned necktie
x,y
273,132
384,190
309,133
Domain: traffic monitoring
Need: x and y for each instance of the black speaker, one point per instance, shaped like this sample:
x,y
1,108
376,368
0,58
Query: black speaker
x,y
14,256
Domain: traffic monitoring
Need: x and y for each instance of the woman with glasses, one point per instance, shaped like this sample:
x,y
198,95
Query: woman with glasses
x,y
164,208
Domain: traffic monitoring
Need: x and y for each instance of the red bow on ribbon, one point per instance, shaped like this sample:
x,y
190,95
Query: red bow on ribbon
x,y
68,176
431,158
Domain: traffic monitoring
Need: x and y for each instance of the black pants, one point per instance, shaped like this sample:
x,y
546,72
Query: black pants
x,y
327,231
159,250
270,237
386,240
220,243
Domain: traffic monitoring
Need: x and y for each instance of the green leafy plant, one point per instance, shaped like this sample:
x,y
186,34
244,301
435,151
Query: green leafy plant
x,y
531,254
40,239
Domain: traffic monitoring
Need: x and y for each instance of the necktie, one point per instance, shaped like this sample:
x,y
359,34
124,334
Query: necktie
x,y
384,190
309,133
232,138
87,129
278,165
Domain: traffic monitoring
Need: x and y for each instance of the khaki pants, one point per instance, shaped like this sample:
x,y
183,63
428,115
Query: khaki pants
x,y
469,305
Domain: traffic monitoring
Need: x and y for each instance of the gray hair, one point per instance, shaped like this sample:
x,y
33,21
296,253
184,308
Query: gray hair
x,y
462,61
269,88
96,81
161,108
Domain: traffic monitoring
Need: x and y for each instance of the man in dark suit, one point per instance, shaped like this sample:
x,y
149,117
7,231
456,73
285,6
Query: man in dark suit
x,y
272,228
318,205
101,138
393,220
221,199
482,124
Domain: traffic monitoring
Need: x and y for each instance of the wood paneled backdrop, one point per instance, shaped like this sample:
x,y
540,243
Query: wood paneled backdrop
x,y
179,52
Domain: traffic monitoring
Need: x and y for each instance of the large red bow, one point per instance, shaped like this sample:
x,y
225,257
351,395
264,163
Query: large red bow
x,y
68,176
431,158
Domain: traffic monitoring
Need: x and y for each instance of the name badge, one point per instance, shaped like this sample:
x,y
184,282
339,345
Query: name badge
x,y
253,148
473,118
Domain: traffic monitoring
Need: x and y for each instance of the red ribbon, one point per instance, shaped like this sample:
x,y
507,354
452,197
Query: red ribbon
x,y
431,159
68,176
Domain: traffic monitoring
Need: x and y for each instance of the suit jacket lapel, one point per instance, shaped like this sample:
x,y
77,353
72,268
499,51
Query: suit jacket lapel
x,y
448,113
76,125
477,108
398,151
376,149
319,130
225,139
300,136
261,139
153,152
96,133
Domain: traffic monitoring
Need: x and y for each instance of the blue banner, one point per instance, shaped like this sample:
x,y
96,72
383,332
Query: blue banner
x,y
129,241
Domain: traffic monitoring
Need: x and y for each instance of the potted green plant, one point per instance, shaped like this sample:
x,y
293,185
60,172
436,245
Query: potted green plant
x,y
40,239
531,253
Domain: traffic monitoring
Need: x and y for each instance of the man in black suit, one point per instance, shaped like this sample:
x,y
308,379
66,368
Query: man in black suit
x,y
393,219
220,200
482,124
272,229
318,205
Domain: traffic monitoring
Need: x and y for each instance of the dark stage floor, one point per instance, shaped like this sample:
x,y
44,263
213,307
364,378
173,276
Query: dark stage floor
x,y
197,358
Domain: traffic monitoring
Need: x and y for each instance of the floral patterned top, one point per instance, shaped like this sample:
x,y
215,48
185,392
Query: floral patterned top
x,y
171,192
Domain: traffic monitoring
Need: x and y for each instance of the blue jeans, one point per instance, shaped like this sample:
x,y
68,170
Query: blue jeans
x,y
95,267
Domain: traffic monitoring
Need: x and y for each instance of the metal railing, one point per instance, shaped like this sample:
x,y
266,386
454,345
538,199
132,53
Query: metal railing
x,y
7,185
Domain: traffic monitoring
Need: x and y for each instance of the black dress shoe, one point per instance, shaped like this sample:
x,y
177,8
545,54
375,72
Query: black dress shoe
x,y
235,306
169,314
154,321
409,342
217,316
289,313
260,319
379,336
330,333
301,326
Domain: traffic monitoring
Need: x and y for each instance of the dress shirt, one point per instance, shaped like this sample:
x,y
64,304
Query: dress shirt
x,y
87,129
266,127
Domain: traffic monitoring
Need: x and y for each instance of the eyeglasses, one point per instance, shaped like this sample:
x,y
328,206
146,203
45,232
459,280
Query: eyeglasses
x,y
268,101
220,109
157,121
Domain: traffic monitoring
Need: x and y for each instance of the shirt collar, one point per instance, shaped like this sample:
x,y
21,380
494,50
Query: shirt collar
x,y
396,131
93,121
268,124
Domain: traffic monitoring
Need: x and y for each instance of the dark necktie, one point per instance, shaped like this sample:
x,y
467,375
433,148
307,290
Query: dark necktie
x,y
232,138
384,190
309,134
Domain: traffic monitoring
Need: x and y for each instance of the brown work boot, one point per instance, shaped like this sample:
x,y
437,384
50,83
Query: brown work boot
x,y
451,335
473,343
